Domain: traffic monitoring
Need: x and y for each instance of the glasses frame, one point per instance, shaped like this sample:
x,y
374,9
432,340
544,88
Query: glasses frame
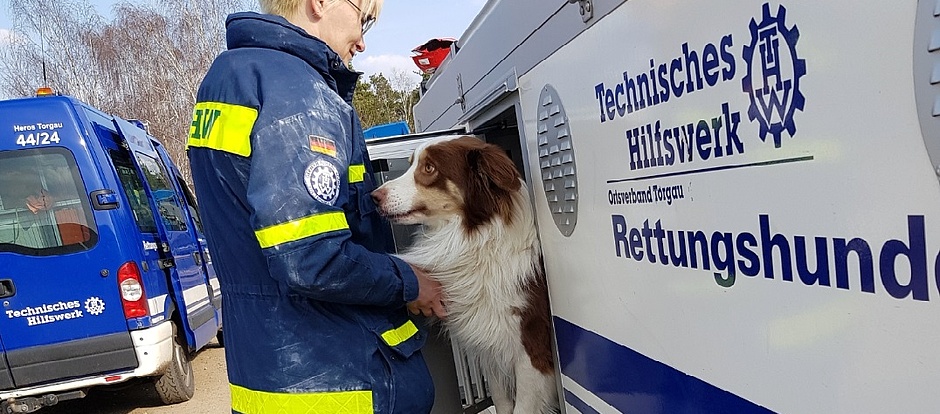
x,y
366,20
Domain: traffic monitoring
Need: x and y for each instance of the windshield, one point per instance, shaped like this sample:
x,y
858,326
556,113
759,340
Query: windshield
x,y
43,210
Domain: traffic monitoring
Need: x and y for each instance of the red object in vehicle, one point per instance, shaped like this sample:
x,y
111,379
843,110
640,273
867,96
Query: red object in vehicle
x,y
430,55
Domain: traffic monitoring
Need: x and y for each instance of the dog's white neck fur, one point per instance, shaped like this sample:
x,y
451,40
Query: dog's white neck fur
x,y
452,255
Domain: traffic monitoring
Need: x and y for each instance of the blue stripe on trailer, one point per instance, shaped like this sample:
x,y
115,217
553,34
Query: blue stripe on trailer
x,y
578,403
632,382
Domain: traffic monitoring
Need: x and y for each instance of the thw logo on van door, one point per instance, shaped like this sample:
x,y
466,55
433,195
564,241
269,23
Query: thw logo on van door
x,y
773,75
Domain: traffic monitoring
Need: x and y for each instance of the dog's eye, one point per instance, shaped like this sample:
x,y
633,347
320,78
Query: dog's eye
x,y
428,168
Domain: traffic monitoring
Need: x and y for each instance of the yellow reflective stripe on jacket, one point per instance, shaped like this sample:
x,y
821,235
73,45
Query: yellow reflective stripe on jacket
x,y
223,127
301,228
356,173
400,334
248,401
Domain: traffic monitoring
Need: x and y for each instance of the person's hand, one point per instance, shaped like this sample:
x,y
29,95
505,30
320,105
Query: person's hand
x,y
430,299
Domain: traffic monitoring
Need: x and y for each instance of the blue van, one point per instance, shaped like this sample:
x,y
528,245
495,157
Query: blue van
x,y
105,275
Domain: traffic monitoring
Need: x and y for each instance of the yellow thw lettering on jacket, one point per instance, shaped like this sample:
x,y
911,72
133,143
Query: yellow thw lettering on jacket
x,y
224,127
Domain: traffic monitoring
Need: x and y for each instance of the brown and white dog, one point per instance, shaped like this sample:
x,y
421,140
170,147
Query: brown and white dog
x,y
479,241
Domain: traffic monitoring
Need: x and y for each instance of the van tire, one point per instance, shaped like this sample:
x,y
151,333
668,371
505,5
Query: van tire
x,y
178,383
219,336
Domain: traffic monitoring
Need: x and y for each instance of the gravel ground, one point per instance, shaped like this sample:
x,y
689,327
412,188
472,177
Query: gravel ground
x,y
212,394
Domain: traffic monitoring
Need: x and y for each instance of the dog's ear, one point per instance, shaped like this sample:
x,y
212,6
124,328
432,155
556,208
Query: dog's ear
x,y
492,178
492,166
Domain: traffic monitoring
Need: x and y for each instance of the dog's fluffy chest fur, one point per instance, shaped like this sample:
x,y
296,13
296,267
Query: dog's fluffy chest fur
x,y
483,275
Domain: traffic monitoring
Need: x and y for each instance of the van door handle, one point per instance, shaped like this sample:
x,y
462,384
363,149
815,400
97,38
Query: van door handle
x,y
6,288
166,263
197,256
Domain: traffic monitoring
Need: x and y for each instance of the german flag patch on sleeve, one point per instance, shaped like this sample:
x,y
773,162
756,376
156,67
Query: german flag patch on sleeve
x,y
322,145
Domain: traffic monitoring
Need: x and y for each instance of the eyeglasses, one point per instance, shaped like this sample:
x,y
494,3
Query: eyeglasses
x,y
367,20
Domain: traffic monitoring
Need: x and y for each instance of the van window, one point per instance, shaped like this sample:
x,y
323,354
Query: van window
x,y
43,207
134,189
190,203
167,203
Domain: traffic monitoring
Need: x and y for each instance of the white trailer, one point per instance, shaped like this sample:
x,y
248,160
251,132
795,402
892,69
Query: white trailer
x,y
738,201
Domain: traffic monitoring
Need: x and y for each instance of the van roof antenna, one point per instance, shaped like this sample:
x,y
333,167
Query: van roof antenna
x,y
42,50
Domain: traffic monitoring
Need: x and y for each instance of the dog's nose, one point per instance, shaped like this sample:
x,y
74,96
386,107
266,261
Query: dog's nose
x,y
378,195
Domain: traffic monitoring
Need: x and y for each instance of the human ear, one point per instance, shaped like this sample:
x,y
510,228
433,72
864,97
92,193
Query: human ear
x,y
317,7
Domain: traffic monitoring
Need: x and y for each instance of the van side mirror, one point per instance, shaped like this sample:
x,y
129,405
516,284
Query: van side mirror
x,y
104,199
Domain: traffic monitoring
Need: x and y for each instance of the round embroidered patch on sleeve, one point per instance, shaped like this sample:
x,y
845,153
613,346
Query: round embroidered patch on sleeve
x,y
322,181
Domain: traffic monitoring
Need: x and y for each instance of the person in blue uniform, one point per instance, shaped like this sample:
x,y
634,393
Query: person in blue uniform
x,y
315,311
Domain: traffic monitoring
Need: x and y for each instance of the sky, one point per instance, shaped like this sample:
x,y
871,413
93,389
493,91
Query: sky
x,y
403,25
406,24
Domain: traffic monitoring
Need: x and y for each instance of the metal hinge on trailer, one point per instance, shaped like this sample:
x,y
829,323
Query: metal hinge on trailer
x,y
586,9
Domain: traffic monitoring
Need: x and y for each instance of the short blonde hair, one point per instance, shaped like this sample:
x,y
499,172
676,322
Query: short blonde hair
x,y
287,8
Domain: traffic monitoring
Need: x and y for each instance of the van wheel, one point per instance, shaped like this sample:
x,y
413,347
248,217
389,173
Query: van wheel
x,y
219,336
178,383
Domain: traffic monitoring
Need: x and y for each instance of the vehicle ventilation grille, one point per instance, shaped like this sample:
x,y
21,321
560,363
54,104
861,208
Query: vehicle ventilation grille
x,y
927,76
557,161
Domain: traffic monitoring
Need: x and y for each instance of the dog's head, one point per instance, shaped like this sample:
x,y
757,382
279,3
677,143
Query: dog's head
x,y
452,177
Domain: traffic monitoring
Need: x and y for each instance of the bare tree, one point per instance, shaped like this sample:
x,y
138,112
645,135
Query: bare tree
x,y
406,90
38,54
146,63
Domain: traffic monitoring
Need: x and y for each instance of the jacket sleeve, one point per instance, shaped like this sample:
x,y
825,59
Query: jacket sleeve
x,y
301,203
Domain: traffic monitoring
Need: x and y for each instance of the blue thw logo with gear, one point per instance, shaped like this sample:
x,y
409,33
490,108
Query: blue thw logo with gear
x,y
773,75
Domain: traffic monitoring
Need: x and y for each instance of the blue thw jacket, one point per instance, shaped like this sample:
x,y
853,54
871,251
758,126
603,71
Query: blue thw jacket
x,y
314,307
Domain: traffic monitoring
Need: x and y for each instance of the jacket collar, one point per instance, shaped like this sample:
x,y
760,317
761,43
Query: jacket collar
x,y
268,31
